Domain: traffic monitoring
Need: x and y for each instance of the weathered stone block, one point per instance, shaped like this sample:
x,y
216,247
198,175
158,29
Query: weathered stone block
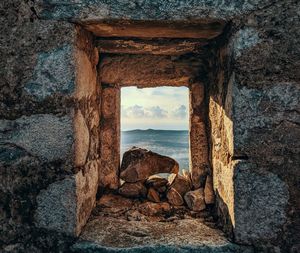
x,y
260,202
148,70
139,164
180,183
66,205
110,137
199,163
54,73
46,136
82,139
195,199
133,190
174,197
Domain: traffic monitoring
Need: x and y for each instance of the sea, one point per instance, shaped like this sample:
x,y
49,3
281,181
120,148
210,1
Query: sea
x,y
172,143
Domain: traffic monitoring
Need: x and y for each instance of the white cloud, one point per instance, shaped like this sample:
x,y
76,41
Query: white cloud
x,y
180,112
138,111
158,108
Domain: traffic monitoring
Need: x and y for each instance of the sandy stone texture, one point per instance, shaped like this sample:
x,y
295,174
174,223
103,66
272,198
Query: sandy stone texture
x,y
137,236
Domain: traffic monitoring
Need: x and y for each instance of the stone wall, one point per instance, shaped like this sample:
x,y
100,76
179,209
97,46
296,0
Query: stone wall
x,y
254,111
49,127
73,198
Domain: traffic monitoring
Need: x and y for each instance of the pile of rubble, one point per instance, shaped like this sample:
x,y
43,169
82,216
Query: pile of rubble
x,y
145,193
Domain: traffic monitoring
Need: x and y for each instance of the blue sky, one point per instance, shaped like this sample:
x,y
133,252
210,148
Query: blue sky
x,y
156,108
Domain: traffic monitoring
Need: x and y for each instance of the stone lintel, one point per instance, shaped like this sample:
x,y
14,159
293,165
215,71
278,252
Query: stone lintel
x,y
156,47
149,70
156,29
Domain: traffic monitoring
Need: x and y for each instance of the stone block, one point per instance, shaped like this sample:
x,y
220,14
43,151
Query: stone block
x,y
66,205
195,200
139,164
260,202
46,136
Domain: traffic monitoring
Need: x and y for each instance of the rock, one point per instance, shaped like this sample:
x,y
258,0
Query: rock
x,y
150,208
138,164
180,183
133,190
187,175
159,183
209,194
156,182
115,203
195,200
162,189
174,198
153,195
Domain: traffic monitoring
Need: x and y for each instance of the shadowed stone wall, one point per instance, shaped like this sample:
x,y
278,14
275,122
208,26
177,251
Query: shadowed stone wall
x,y
49,131
254,114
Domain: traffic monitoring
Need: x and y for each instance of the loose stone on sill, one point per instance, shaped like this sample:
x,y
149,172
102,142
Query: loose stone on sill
x,y
195,200
156,182
133,190
139,164
152,209
114,203
180,183
174,198
153,195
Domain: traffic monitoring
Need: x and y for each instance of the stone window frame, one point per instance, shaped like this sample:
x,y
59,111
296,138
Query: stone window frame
x,y
199,165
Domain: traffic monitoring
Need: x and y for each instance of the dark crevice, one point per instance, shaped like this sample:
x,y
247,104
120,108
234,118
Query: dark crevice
x,y
240,157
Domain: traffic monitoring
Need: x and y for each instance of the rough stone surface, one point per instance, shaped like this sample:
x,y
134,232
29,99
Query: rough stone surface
x,y
174,197
133,190
264,190
145,10
57,206
43,83
155,47
114,203
199,155
110,136
153,195
46,136
82,141
157,182
195,200
260,68
151,209
113,235
139,164
209,194
66,205
204,29
149,70
180,183
254,112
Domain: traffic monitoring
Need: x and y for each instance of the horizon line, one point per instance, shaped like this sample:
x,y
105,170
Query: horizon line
x,y
139,129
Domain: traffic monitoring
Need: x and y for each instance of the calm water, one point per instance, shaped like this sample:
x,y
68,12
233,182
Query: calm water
x,y
165,142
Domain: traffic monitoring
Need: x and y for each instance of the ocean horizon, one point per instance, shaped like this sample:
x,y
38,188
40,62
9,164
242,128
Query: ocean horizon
x,y
172,143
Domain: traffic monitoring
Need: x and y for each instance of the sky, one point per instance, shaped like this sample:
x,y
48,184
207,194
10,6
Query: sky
x,y
164,108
